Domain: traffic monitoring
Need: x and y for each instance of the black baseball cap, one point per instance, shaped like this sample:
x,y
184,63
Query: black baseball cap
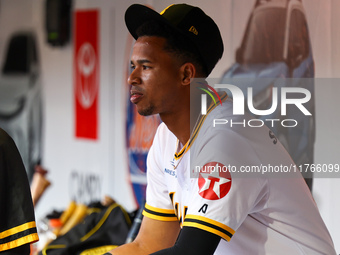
x,y
189,21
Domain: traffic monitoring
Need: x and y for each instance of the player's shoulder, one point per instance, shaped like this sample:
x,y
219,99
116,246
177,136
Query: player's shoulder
x,y
163,131
162,128
163,135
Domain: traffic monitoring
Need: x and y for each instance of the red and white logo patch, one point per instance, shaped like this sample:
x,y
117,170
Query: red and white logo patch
x,y
214,181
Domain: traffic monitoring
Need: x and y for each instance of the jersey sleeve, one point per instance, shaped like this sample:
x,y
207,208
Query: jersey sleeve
x,y
17,220
158,204
220,202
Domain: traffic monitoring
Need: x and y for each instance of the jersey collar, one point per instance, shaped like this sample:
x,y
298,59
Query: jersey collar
x,y
198,126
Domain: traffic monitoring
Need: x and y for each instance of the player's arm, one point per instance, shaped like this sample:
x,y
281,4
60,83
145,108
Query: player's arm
x,y
154,235
193,241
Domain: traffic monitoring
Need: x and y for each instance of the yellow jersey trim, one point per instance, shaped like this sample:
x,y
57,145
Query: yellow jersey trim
x,y
17,229
159,214
31,238
170,211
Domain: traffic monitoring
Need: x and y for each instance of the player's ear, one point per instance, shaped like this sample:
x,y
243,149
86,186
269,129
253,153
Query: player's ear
x,y
188,72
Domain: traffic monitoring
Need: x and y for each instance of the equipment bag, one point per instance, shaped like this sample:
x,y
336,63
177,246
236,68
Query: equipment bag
x,y
97,234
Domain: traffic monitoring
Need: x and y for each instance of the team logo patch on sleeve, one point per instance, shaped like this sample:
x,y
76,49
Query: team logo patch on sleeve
x,y
214,181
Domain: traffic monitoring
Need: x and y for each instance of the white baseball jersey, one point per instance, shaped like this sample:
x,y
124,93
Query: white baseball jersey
x,y
208,184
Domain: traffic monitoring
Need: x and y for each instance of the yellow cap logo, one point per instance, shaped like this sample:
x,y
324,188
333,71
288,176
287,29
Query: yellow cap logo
x,y
193,30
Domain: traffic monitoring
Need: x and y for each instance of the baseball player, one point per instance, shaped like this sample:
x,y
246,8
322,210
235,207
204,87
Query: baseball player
x,y
203,195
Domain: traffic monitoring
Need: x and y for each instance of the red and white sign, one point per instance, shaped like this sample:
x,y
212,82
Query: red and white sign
x,y
214,181
86,71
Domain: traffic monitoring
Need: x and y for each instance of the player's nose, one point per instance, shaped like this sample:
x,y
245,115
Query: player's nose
x,y
134,77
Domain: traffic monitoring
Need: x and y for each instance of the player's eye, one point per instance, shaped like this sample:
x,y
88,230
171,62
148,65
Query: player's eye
x,y
146,67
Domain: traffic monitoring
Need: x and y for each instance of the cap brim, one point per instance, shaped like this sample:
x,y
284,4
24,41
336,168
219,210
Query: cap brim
x,y
138,14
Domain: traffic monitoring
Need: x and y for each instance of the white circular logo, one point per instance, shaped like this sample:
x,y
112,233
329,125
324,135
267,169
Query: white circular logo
x,y
87,86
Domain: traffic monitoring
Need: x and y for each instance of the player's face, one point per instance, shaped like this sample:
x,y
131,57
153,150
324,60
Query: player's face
x,y
155,78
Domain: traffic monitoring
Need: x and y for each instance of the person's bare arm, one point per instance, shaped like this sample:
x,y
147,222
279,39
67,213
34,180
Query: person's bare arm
x,y
153,236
